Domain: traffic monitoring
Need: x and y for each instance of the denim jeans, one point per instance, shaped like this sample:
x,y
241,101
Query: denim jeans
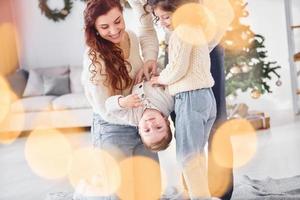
x,y
121,142
214,169
195,115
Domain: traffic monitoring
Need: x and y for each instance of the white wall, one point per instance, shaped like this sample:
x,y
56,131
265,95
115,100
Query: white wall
x,y
46,43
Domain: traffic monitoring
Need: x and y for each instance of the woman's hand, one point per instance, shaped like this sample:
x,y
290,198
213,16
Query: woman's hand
x,y
149,68
155,81
130,101
139,76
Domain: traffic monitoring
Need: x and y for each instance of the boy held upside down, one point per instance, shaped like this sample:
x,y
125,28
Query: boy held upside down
x,y
148,108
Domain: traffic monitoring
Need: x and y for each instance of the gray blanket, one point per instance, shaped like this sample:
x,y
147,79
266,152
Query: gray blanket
x,y
269,188
246,189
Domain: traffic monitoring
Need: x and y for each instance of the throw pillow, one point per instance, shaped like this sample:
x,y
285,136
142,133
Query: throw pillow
x,y
34,86
75,79
17,81
56,85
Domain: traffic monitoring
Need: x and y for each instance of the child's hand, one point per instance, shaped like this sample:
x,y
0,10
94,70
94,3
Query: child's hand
x,y
130,101
155,82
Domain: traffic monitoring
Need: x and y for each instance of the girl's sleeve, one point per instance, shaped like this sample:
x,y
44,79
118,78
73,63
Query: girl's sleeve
x,y
179,60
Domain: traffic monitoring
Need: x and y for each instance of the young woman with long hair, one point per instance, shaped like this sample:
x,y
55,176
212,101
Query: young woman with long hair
x,y
111,61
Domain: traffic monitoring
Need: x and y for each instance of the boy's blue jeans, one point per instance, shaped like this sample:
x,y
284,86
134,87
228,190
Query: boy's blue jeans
x,y
195,115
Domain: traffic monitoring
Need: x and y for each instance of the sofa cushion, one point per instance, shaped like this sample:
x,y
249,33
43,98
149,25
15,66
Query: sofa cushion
x,y
70,101
33,104
56,85
34,86
17,81
75,79
47,81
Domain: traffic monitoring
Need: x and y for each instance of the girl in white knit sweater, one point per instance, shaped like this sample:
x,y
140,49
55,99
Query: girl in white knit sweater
x,y
188,78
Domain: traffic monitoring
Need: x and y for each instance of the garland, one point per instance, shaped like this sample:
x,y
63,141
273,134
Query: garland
x,y
55,14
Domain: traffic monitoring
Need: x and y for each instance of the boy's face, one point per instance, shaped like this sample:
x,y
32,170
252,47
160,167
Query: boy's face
x,y
153,126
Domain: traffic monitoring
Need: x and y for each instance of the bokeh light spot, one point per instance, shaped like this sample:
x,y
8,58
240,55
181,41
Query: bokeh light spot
x,y
48,153
244,146
147,178
9,48
5,99
7,120
194,23
94,172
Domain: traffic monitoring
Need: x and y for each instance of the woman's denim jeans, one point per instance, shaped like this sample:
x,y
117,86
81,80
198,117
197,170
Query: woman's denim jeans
x,y
122,142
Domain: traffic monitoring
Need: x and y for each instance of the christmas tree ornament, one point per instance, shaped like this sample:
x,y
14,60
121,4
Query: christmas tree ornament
x,y
245,68
297,56
278,82
235,70
255,94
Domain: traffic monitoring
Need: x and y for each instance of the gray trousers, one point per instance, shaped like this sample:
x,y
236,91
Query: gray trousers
x,y
195,115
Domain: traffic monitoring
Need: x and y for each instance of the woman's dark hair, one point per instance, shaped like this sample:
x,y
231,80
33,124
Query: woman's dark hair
x,y
166,5
117,76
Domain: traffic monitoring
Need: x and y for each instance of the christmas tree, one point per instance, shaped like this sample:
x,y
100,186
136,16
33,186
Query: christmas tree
x,y
246,65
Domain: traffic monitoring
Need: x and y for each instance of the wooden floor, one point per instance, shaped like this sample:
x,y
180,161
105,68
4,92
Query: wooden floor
x,y
277,156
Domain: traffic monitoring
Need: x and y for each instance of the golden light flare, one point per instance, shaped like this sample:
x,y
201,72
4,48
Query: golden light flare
x,y
238,37
194,23
195,168
48,153
126,190
244,136
94,172
8,137
237,40
9,48
147,178
222,11
7,98
220,178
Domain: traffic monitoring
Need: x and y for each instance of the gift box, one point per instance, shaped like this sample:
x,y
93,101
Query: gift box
x,y
259,120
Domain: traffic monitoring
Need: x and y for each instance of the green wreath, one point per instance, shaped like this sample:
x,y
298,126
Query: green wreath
x,y
55,14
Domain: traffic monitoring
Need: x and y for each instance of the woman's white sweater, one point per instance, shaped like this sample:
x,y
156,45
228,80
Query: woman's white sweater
x,y
99,93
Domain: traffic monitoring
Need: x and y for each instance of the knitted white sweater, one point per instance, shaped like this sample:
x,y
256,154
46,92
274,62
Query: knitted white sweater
x,y
188,68
98,94
189,65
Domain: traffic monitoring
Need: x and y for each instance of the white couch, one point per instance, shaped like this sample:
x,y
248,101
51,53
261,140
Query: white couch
x,y
41,111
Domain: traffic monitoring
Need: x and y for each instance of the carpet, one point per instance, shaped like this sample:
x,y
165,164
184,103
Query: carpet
x,y
267,189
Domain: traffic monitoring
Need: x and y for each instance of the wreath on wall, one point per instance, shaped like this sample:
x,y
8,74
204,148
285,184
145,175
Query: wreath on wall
x,y
56,14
